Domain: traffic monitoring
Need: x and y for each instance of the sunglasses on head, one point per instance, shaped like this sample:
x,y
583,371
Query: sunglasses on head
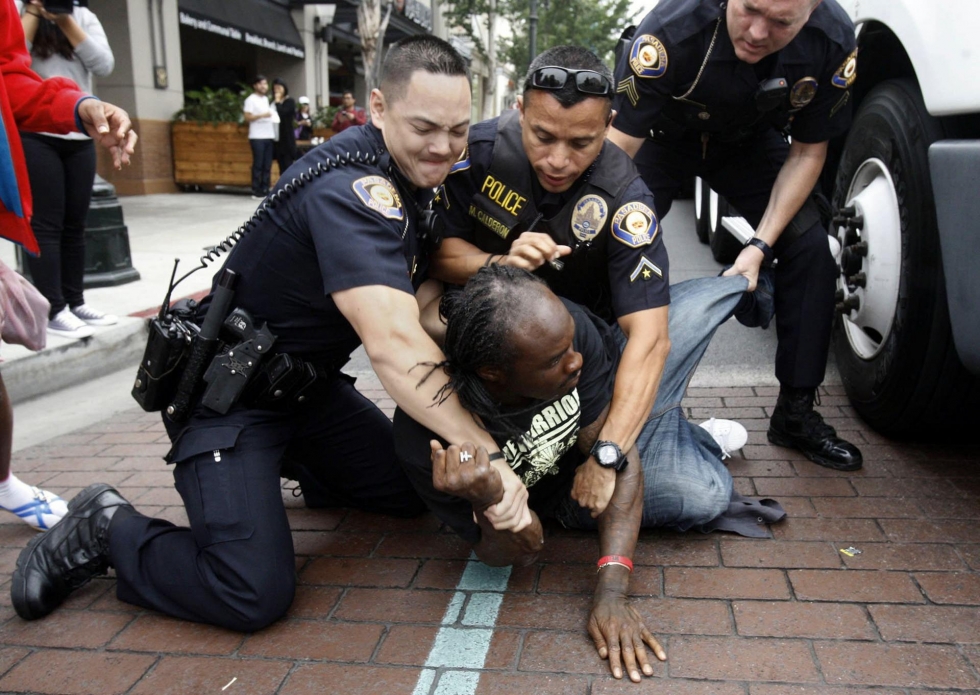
x,y
553,78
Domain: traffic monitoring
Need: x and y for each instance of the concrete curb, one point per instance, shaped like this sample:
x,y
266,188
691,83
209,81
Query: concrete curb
x,y
56,368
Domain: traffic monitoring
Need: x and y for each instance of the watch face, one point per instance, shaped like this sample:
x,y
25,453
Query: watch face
x,y
607,455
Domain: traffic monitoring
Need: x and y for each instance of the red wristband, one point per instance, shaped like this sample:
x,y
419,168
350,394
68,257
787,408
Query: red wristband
x,y
621,560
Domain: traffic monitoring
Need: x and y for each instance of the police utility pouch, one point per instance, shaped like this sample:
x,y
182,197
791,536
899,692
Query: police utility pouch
x,y
233,367
167,347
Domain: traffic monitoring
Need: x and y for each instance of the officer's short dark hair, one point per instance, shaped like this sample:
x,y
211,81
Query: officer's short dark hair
x,y
574,58
418,52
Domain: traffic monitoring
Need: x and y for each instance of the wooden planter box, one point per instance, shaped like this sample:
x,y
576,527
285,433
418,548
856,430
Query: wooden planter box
x,y
208,154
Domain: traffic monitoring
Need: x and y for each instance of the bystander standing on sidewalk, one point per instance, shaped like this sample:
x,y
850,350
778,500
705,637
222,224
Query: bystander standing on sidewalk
x,y
54,105
61,167
262,122
348,114
285,149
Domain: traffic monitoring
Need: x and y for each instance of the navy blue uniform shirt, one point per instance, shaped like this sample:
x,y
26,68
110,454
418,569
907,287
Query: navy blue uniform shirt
x,y
668,51
637,276
352,226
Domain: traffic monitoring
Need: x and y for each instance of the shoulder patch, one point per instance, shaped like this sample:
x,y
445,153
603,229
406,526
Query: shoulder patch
x,y
648,57
846,73
463,163
378,194
635,225
589,215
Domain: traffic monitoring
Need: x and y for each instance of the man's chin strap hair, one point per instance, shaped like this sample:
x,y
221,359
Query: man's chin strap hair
x,y
573,58
418,52
480,319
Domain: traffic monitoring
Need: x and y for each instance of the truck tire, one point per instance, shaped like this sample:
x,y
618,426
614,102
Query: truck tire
x,y
892,336
724,247
701,209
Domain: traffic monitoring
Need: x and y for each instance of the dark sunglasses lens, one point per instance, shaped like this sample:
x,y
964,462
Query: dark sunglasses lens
x,y
550,78
591,83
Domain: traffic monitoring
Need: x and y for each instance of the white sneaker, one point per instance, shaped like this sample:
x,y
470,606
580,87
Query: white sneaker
x,y
94,317
42,512
67,325
728,434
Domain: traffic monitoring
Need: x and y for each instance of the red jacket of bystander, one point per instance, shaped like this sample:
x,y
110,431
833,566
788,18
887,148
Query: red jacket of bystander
x,y
26,103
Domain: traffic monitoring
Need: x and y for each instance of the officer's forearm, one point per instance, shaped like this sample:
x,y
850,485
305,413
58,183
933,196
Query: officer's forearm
x,y
456,261
794,183
502,548
387,322
638,376
627,143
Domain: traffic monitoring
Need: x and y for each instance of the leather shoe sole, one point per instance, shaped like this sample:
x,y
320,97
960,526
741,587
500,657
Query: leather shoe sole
x,y
33,592
851,463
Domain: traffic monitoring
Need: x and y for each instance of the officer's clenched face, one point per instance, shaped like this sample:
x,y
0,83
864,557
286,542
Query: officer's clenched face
x,y
759,28
425,125
561,143
546,365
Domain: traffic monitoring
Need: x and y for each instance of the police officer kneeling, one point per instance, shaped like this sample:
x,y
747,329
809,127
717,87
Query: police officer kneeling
x,y
332,260
711,89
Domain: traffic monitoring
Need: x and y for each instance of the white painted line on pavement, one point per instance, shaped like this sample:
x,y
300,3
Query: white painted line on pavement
x,y
462,643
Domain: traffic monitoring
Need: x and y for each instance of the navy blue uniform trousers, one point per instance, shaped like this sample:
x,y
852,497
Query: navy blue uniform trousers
x,y
806,273
234,566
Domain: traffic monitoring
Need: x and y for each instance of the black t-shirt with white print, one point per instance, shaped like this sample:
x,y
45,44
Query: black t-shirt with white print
x,y
545,455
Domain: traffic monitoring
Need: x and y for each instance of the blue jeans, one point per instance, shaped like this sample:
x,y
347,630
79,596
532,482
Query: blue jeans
x,y
685,482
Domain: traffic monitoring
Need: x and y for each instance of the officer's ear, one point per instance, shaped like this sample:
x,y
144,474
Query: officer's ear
x,y
377,103
610,118
520,107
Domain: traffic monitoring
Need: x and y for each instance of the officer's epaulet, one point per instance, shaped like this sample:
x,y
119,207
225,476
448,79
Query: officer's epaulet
x,y
484,131
831,20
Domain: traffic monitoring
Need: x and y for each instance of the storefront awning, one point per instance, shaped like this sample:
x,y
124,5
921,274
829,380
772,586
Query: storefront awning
x,y
263,23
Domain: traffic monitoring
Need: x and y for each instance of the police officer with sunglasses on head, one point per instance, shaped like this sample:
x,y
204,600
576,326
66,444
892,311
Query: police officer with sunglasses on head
x,y
712,89
539,188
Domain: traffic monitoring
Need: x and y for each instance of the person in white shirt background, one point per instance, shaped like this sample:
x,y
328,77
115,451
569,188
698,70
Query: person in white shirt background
x,y
263,123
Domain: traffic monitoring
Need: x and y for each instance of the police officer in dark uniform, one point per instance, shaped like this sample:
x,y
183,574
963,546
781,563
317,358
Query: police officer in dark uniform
x,y
539,188
712,89
332,259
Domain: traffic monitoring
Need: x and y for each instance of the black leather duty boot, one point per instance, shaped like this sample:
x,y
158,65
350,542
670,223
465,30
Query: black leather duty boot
x,y
66,557
795,424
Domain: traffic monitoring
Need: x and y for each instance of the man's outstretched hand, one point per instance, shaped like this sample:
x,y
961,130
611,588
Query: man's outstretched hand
x,y
621,637
110,127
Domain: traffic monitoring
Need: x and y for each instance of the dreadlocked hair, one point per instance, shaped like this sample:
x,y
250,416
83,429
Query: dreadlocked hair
x,y
479,321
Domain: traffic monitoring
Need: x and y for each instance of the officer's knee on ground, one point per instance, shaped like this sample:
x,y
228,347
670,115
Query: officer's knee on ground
x,y
260,599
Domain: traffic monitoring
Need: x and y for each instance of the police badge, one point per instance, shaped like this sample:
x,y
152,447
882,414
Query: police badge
x,y
803,92
588,217
648,57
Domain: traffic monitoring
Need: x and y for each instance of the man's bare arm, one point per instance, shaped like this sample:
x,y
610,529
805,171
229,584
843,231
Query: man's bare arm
x,y
476,481
615,627
387,322
635,390
627,143
794,184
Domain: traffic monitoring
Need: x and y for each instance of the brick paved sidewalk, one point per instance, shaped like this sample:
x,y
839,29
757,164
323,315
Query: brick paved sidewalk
x,y
790,615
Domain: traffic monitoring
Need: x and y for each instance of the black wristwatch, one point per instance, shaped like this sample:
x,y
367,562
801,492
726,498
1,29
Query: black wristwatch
x,y
609,455
767,253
